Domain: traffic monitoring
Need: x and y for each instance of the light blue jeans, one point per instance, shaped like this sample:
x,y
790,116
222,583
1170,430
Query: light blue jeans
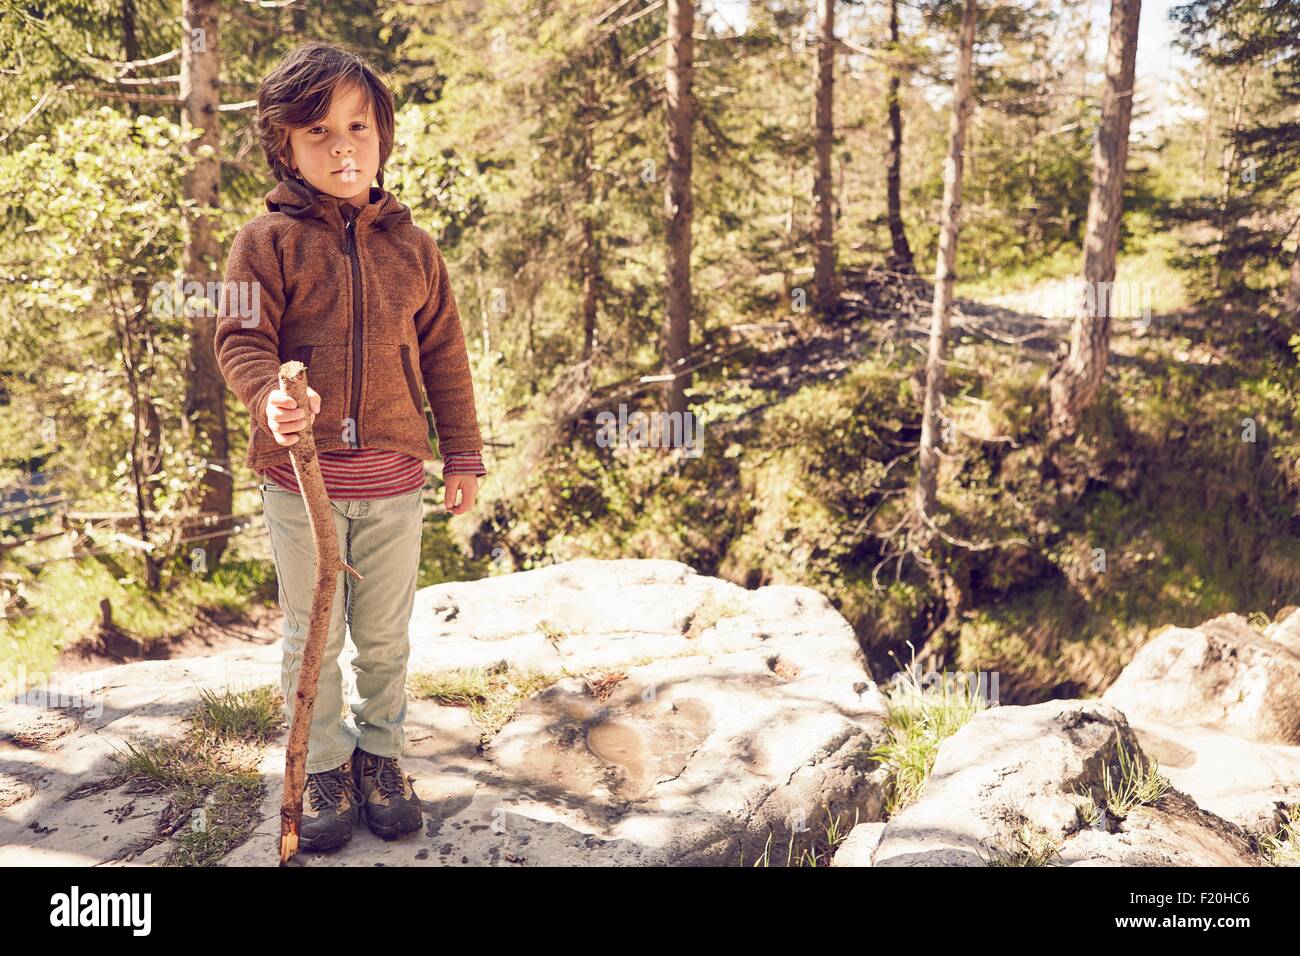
x,y
379,537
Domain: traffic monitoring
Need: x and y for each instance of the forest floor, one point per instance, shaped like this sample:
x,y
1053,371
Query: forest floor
x,y
217,631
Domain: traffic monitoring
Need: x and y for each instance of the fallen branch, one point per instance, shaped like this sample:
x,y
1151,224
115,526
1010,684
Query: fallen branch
x,y
306,468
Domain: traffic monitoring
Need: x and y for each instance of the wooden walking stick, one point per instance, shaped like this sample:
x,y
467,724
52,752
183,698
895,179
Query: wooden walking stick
x,y
306,467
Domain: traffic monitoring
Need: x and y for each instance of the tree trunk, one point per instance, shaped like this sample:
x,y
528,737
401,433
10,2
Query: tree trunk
x,y
1034,227
1291,309
146,446
823,144
677,199
146,449
590,263
901,260
944,268
1230,149
206,402
1074,384
140,415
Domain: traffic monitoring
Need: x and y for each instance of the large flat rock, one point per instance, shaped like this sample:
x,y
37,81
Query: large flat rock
x,y
742,715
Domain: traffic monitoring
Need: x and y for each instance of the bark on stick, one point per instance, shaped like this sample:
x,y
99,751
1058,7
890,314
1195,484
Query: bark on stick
x,y
329,562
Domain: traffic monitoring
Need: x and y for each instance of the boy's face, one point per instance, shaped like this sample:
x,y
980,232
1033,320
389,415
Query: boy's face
x,y
339,155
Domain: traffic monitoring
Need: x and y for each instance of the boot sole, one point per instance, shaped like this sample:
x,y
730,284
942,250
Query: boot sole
x,y
323,844
393,831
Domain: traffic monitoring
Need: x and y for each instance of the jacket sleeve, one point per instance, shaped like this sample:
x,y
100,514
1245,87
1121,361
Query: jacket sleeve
x,y
247,341
444,365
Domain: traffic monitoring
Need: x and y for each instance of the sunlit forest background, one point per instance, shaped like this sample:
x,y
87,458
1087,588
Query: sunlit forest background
x,y
533,143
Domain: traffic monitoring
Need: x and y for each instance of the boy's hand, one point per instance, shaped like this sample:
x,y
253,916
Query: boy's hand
x,y
284,417
467,485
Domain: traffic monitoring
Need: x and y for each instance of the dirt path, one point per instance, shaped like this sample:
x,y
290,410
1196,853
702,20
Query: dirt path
x,y
219,631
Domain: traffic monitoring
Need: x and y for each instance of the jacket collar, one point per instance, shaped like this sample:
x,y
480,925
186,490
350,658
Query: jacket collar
x,y
298,198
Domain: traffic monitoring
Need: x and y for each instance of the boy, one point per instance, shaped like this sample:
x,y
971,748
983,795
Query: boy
x,y
337,276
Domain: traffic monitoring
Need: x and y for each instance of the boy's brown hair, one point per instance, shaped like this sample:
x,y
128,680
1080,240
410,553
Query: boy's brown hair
x,y
297,93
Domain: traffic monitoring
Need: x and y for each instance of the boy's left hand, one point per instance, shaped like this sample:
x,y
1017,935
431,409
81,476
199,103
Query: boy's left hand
x,y
467,485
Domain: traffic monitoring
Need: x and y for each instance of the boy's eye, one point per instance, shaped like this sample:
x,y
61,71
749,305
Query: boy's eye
x,y
322,129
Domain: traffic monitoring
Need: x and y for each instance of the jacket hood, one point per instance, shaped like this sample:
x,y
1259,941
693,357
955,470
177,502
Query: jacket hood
x,y
300,199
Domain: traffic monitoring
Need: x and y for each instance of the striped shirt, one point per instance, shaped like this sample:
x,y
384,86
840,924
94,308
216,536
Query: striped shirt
x,y
365,473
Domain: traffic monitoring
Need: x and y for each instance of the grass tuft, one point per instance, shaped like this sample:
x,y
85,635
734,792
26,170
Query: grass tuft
x,y
210,775
920,717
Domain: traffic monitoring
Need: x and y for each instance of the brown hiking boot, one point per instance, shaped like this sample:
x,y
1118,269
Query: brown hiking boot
x,y
331,807
390,805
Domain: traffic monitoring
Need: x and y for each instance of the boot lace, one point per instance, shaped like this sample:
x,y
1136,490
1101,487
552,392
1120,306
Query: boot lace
x,y
327,788
386,774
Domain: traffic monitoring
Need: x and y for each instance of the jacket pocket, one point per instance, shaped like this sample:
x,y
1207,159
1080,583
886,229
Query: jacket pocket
x,y
327,375
412,380
393,411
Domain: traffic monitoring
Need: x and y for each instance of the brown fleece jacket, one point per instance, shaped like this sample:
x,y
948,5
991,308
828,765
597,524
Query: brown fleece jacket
x,y
365,305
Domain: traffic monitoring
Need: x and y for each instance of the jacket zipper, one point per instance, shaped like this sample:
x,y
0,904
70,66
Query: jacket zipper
x,y
356,330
